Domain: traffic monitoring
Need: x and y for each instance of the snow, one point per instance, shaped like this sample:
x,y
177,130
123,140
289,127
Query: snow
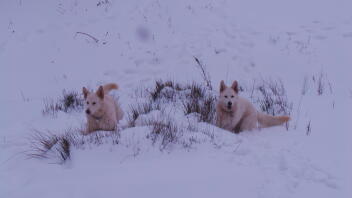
x,y
41,54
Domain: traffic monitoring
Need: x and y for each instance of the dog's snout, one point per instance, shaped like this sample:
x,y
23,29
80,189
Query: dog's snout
x,y
229,103
87,111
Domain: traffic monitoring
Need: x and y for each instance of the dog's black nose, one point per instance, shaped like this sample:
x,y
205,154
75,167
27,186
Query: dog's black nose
x,y
229,103
87,111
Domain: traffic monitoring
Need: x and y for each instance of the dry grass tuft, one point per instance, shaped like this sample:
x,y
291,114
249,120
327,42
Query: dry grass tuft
x,y
164,130
50,145
271,97
69,101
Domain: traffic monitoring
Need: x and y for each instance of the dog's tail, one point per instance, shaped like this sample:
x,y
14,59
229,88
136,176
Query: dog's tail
x,y
109,87
268,120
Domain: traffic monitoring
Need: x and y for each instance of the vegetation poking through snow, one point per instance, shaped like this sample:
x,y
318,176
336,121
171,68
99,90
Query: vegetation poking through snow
x,y
308,128
164,130
322,83
271,97
164,89
68,102
194,97
139,109
191,98
319,82
205,74
57,147
195,100
201,103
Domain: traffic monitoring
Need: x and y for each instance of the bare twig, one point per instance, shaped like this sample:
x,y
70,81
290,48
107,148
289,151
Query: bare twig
x,y
205,74
90,36
309,128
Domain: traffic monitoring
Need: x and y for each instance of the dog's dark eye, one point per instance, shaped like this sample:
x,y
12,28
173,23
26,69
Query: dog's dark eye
x,y
87,102
225,96
232,96
93,103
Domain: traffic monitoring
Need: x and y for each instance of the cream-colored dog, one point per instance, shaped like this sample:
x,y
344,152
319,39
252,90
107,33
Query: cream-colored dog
x,y
102,111
236,114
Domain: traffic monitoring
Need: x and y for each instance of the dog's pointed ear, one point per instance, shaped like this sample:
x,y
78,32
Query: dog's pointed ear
x,y
222,86
85,92
100,92
235,86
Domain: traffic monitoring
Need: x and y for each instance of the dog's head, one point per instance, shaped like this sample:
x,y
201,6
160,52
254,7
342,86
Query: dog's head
x,y
93,101
228,96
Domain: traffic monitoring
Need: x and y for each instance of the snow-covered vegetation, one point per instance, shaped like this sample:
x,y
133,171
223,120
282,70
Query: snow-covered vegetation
x,y
168,58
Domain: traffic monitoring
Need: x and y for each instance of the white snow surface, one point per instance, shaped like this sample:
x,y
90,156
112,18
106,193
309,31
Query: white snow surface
x,y
41,54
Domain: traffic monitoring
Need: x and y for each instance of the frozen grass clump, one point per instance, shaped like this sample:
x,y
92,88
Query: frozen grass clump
x,y
57,147
271,97
69,101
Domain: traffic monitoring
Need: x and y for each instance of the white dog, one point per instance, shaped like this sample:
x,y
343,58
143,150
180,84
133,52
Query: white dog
x,y
102,111
236,114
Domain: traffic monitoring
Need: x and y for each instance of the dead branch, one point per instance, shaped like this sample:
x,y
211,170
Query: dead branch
x,y
90,36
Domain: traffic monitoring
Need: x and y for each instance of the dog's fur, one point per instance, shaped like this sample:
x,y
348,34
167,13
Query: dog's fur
x,y
102,111
236,114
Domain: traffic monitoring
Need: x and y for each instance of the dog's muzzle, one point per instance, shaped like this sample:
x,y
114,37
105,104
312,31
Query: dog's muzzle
x,y
229,105
88,111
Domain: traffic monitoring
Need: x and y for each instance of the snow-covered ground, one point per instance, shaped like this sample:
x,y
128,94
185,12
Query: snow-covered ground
x,y
42,54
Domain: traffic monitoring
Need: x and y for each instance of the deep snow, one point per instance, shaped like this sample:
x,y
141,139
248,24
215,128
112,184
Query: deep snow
x,y
140,41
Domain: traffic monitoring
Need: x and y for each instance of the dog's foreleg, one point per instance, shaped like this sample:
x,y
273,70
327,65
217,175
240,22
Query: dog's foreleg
x,y
236,123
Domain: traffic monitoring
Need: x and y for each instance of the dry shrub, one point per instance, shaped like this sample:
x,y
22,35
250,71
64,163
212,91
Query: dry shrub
x,y
50,145
204,108
139,109
164,130
194,97
322,83
69,101
270,95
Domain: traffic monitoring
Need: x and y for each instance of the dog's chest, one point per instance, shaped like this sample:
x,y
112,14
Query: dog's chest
x,y
227,120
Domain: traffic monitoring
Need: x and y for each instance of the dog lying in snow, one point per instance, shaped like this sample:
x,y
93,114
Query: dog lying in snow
x,y
236,114
102,111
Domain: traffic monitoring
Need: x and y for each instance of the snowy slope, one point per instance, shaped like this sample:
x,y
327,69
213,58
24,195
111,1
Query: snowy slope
x,y
42,54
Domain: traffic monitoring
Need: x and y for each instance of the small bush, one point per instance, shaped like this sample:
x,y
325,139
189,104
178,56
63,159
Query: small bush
x,y
192,98
208,109
158,92
204,107
318,82
191,106
164,130
139,109
270,96
197,91
48,145
42,142
68,102
45,145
